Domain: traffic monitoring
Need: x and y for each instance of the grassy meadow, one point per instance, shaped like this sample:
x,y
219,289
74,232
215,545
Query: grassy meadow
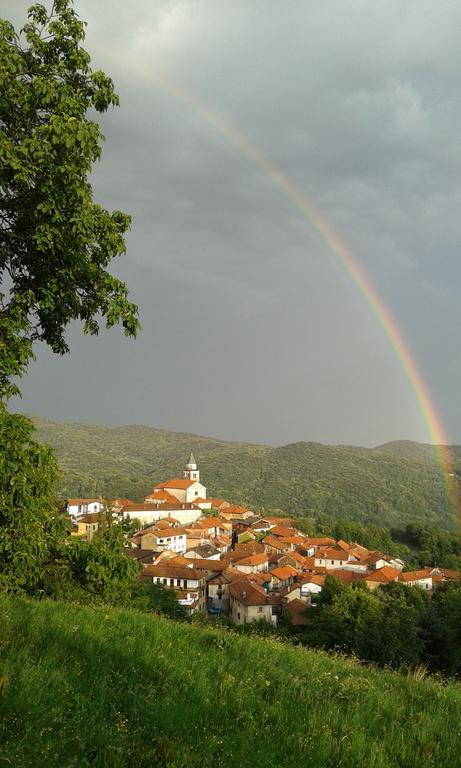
x,y
85,687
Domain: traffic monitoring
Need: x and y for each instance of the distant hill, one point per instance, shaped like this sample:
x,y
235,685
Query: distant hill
x,y
390,485
413,450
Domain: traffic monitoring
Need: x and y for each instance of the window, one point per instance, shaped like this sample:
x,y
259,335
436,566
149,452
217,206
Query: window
x,y
178,582
332,562
238,615
165,581
260,610
171,582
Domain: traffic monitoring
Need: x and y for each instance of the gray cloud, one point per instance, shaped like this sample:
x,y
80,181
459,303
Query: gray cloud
x,y
251,328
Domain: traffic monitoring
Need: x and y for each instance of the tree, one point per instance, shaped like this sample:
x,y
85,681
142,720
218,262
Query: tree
x,y
441,629
56,244
55,241
31,531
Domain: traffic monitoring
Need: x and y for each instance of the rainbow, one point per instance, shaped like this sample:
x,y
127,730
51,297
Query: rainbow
x,y
337,248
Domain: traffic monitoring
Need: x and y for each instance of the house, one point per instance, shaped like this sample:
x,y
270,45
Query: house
x,y
75,508
422,578
295,559
142,556
284,531
293,592
249,603
174,539
235,512
297,613
275,545
247,548
260,525
253,563
151,512
246,535
215,526
311,585
118,504
331,558
218,590
219,504
160,497
283,576
222,542
87,525
383,575
205,551
320,542
181,578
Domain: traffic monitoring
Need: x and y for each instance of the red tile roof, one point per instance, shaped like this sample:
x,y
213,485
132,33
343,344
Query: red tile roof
x,y
257,559
181,483
331,554
284,573
158,496
297,611
423,573
383,575
280,530
75,502
168,570
247,593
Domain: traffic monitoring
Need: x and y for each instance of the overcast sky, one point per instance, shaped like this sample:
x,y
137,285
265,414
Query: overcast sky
x,y
251,329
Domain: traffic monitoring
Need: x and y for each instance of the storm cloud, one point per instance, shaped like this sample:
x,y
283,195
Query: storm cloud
x,y
251,327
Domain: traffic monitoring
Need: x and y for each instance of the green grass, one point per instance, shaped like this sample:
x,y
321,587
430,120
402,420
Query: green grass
x,y
117,688
392,486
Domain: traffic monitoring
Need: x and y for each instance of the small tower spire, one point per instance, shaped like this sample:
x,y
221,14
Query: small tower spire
x,y
191,472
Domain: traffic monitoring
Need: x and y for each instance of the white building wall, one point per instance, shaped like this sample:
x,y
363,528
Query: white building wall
x,y
147,515
77,510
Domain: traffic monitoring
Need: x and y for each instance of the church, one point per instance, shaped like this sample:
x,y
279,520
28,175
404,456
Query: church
x,y
182,498
187,489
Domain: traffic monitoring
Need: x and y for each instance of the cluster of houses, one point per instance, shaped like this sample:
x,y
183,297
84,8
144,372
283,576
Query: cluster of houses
x,y
221,558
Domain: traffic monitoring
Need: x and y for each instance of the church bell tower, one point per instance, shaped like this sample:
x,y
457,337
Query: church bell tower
x,y
191,472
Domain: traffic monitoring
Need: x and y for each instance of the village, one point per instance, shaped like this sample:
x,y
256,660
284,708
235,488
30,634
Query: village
x,y
222,559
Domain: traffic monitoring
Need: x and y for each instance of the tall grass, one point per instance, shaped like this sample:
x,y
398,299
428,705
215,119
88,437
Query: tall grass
x,y
116,688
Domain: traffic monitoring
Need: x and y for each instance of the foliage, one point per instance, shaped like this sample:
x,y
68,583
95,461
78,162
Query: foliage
x,y
432,546
146,597
37,556
98,570
394,625
31,531
173,694
55,241
304,480
441,628
55,247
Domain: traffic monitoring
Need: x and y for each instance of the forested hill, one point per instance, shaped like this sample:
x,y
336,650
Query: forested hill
x,y
413,450
388,485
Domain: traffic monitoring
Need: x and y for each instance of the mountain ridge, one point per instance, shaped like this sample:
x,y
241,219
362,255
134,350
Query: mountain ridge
x,y
388,485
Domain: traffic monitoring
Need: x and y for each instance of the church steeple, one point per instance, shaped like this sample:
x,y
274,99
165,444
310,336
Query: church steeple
x,y
191,471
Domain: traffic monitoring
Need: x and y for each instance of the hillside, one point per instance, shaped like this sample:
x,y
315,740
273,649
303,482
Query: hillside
x,y
111,688
413,450
384,486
